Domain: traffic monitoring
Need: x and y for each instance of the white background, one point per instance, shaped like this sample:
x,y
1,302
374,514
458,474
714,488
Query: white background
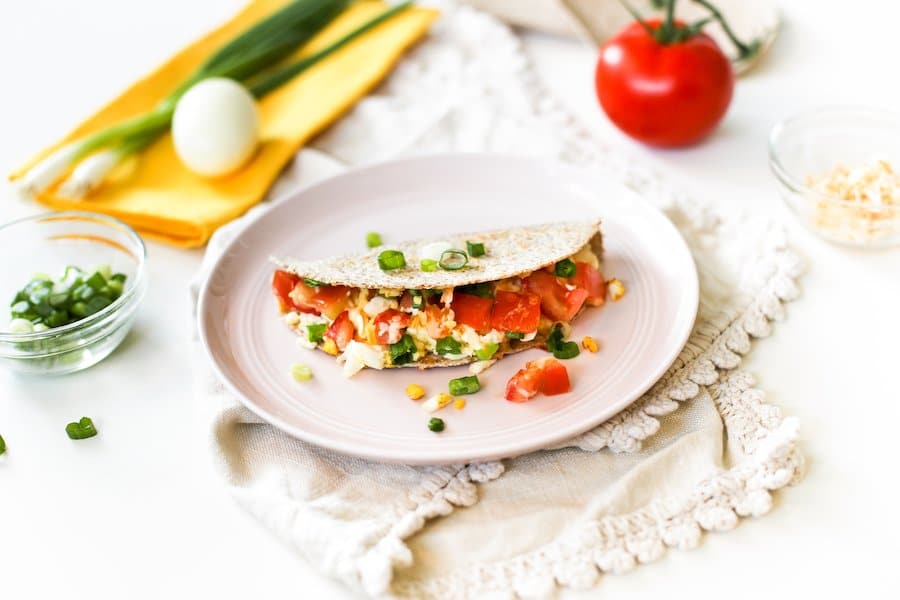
x,y
137,511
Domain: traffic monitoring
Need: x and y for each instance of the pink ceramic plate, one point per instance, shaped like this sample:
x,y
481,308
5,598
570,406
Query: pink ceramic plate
x,y
369,415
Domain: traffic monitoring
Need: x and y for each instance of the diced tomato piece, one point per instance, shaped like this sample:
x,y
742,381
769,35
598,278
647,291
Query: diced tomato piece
x,y
328,300
282,285
547,375
341,330
390,325
473,311
588,278
435,317
406,301
555,377
524,385
557,301
515,311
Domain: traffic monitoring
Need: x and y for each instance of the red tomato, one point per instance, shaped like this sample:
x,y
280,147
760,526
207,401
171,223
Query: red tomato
x,y
341,330
390,325
328,300
663,94
516,312
558,302
590,279
473,311
547,375
282,284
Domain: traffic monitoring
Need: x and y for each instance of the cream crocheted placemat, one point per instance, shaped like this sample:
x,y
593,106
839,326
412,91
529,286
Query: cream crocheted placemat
x,y
699,451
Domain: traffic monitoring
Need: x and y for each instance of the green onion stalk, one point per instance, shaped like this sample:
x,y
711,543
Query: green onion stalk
x,y
252,58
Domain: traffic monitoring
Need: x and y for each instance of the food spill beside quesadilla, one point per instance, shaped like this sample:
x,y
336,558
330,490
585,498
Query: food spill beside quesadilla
x,y
471,298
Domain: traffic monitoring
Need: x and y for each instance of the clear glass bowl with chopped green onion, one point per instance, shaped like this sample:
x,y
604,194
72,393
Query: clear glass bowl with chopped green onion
x,y
72,282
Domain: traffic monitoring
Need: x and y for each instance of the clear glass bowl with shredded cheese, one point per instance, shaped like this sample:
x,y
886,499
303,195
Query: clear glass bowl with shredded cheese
x,y
839,172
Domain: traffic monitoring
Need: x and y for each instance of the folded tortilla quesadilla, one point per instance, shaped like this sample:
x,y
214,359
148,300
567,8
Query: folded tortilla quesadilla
x,y
468,298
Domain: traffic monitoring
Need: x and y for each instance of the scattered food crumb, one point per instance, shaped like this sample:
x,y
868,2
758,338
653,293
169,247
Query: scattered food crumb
x,y
589,344
616,289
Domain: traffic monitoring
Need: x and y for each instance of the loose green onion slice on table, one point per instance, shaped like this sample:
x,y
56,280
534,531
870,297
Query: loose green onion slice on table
x,y
453,260
373,240
448,345
301,373
515,335
435,424
314,283
475,249
82,429
428,265
560,348
565,268
464,385
390,260
403,351
2,445
316,332
487,351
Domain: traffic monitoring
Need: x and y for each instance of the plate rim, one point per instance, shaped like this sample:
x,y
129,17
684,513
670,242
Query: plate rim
x,y
509,450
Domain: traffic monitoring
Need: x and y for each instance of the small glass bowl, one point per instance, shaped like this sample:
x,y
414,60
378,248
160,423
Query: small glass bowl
x,y
815,142
47,243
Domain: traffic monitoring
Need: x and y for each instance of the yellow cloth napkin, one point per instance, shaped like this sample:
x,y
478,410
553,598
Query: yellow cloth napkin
x,y
162,199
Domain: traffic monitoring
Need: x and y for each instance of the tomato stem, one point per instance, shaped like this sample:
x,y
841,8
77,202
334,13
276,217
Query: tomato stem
x,y
745,51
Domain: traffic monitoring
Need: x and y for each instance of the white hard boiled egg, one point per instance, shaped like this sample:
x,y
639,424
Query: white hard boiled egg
x,y
215,127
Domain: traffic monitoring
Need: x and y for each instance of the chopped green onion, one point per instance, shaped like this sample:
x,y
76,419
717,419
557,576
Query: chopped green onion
x,y
120,277
448,345
314,283
404,351
316,332
2,445
555,338
475,249
96,281
428,265
390,260
487,351
453,260
82,429
482,290
464,385
515,335
301,373
20,326
435,424
373,240
104,270
567,350
418,300
565,268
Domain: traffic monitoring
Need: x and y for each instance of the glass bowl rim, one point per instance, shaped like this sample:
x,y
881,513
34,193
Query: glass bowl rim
x,y
798,186
133,293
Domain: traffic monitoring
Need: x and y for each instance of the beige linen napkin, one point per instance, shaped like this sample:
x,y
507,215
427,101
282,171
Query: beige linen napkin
x,y
699,451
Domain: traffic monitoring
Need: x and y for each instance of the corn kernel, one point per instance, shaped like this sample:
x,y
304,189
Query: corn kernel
x,y
330,347
589,343
436,403
459,403
616,289
415,392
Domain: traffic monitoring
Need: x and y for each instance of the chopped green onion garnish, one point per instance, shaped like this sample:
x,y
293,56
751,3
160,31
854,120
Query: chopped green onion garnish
x,y
435,424
301,373
96,281
404,351
566,350
390,260
373,240
428,265
120,277
464,385
316,332
418,300
487,351
448,345
482,290
565,268
475,249
2,445
453,260
555,338
314,282
82,429
515,335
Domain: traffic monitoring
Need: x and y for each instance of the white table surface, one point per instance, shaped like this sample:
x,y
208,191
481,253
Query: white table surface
x,y
138,513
